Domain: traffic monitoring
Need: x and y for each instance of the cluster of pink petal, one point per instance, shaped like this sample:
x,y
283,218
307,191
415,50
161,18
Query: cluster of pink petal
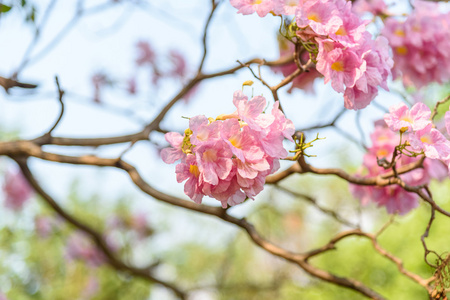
x,y
393,197
420,45
419,130
348,57
229,158
305,81
16,190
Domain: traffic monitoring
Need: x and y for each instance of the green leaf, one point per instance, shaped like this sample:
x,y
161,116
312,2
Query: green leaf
x,y
4,8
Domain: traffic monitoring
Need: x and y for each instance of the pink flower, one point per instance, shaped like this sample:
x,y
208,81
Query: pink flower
x,y
395,198
16,189
230,157
44,225
80,247
421,39
171,155
352,28
342,66
321,15
146,55
189,171
285,7
203,131
401,118
214,161
248,7
431,141
243,143
251,111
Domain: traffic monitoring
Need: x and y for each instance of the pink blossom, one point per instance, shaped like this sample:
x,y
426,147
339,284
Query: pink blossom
x,y
229,157
321,15
341,65
393,197
421,39
248,7
203,131
171,155
214,161
352,28
251,111
146,55
189,171
16,189
80,247
44,225
243,143
431,141
285,7
401,118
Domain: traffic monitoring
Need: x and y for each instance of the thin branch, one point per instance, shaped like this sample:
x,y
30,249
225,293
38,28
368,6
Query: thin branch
x,y
60,99
214,5
435,110
314,203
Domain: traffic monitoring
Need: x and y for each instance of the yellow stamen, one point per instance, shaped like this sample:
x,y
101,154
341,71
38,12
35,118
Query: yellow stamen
x,y
341,31
399,32
402,50
314,17
426,139
193,169
337,66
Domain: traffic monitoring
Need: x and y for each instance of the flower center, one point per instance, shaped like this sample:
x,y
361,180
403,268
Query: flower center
x,y
399,32
314,17
337,66
193,169
402,50
210,155
426,139
341,31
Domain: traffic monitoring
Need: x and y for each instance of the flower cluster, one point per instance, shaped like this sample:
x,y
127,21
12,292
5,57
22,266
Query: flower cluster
x,y
228,158
420,45
345,53
393,197
418,130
